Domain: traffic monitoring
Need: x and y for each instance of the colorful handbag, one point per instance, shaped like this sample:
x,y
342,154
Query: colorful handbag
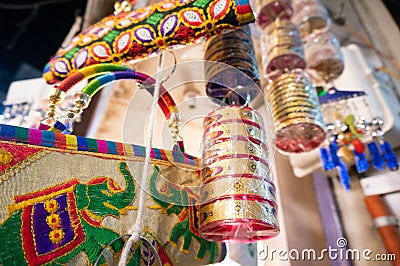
x,y
67,199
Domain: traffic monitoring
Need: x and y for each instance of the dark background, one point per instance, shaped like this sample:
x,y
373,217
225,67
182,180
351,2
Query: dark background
x,y
32,30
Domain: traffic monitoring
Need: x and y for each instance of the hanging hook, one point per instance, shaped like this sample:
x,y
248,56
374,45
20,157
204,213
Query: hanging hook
x,y
150,86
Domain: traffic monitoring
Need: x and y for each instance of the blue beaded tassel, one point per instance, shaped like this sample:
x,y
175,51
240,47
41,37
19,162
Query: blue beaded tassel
x,y
342,169
376,158
362,164
326,159
387,152
390,157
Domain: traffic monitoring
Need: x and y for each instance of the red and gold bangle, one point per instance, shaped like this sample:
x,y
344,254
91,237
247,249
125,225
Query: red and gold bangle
x,y
235,209
236,167
233,129
235,147
237,186
231,112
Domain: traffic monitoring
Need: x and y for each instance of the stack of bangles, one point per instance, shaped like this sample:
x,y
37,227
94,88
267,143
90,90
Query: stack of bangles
x,y
238,201
299,125
103,75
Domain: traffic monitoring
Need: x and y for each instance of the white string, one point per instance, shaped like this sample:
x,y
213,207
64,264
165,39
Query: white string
x,y
135,230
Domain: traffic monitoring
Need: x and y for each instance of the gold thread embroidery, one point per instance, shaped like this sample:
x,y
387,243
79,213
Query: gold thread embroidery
x,y
17,168
5,156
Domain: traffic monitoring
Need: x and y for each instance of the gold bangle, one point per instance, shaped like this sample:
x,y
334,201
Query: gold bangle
x,y
298,96
232,112
235,167
303,120
237,186
280,25
231,210
308,92
235,147
296,76
277,41
233,129
294,104
296,113
276,51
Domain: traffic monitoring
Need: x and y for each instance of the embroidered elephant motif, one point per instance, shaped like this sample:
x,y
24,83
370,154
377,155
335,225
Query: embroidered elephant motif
x,y
53,225
184,204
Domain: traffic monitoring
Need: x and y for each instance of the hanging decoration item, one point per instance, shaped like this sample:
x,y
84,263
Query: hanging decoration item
x,y
282,48
235,79
323,56
103,74
389,157
299,125
294,102
140,33
311,16
354,128
267,11
350,125
238,199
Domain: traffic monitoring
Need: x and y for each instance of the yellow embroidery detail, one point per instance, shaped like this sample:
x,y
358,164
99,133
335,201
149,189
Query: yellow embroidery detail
x,y
51,205
56,236
18,206
5,156
53,220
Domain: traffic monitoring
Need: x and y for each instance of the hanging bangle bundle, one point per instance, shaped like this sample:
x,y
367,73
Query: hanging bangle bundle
x,y
236,170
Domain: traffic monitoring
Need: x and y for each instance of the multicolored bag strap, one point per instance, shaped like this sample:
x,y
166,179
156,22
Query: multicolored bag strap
x,y
103,74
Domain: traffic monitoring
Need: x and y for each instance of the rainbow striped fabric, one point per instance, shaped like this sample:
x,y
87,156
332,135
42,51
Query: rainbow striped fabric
x,y
77,143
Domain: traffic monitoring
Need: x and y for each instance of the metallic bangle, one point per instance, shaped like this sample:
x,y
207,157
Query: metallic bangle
x,y
287,41
318,123
226,113
284,62
235,147
230,210
297,76
296,112
235,167
280,25
292,96
276,51
237,186
295,103
233,129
